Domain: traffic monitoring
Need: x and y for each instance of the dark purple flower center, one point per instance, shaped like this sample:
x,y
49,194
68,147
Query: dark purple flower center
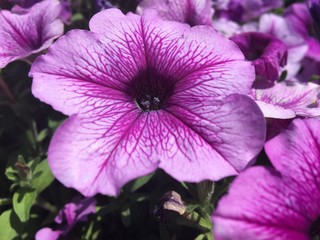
x,y
315,229
150,90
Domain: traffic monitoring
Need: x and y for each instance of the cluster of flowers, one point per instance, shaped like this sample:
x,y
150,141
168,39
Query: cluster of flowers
x,y
185,86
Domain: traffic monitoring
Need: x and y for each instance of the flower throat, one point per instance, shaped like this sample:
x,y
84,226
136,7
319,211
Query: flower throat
x,y
150,90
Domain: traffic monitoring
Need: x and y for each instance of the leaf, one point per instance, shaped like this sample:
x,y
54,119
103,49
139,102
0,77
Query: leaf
x,y
110,208
140,182
283,76
201,237
53,125
23,199
12,174
42,135
42,176
126,217
9,225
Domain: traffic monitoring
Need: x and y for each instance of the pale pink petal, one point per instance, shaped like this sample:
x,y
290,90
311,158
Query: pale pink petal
x,y
24,34
47,234
288,99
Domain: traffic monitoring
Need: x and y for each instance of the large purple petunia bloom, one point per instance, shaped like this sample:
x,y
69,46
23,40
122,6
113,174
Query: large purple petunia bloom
x,y
193,12
280,203
147,93
24,34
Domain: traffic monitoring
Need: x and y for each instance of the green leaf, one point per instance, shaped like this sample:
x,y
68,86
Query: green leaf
x,y
193,207
42,176
140,182
314,78
108,209
126,217
53,125
77,17
7,222
201,237
283,76
42,135
12,174
23,199
209,236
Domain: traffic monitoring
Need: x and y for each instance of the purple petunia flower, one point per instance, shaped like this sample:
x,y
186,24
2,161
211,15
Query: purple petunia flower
x,y
99,5
76,211
22,35
280,203
267,53
25,3
193,12
244,10
280,28
147,93
288,99
22,6
300,20
314,8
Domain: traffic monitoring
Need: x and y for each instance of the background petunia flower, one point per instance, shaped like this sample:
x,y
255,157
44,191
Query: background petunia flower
x,y
99,5
244,10
147,93
288,99
22,35
193,12
300,20
280,28
267,53
314,8
76,211
280,203
22,6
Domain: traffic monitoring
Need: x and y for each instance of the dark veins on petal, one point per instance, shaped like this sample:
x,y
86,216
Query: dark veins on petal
x,y
150,89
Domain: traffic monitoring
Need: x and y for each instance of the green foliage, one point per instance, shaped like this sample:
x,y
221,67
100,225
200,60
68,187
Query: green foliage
x,y
23,199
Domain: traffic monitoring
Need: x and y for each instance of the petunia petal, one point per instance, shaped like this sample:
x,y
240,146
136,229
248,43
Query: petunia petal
x,y
193,12
48,234
102,153
207,67
287,99
268,204
24,34
82,79
295,151
260,206
221,125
